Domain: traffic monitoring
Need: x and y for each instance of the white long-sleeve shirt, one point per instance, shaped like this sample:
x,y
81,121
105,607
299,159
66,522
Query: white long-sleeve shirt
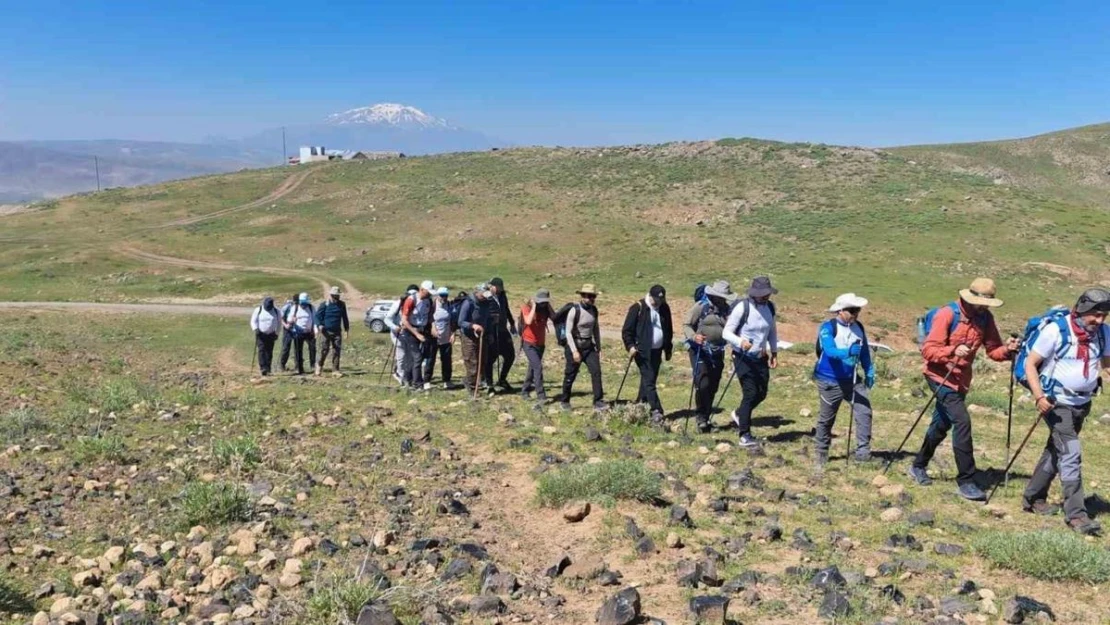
x,y
264,322
759,329
393,315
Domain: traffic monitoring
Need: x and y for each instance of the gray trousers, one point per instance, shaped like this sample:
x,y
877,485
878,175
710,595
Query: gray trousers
x,y
400,357
533,379
830,396
1062,456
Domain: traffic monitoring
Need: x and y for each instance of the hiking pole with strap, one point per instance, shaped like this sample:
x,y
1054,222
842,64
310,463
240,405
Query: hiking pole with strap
x,y
1010,464
936,391
390,358
1010,413
626,370
851,412
721,399
254,352
478,376
690,402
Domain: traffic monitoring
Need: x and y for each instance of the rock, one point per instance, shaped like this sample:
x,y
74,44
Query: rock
x,y
951,606
62,605
499,584
891,592
620,609
709,609
744,581
473,550
706,470
645,546
634,532
383,539
686,572
41,552
41,618
680,516
328,547
555,570
592,435
435,615
750,597
87,579
575,511
828,578
892,490
834,605
1017,610
585,568
880,481
922,517
744,479
802,541
674,541
609,578
718,504
946,549
150,582
145,549
301,546
289,580
987,606
486,605
891,515
114,555
770,533
375,613
247,545
455,569
707,573
723,448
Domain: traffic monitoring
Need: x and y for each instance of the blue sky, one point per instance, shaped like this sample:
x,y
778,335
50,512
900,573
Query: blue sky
x,y
570,72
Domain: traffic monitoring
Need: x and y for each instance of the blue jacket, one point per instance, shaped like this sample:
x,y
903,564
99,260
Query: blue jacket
x,y
836,364
332,317
474,311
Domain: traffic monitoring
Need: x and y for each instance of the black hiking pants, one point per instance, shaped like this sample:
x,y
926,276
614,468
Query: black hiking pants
x,y
592,359
286,347
331,341
649,365
301,341
500,346
264,343
950,414
444,350
754,376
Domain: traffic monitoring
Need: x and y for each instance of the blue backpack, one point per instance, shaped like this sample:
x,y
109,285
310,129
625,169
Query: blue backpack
x,y
1033,329
924,324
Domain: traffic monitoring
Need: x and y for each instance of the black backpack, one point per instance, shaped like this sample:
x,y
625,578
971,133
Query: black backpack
x,y
747,304
560,320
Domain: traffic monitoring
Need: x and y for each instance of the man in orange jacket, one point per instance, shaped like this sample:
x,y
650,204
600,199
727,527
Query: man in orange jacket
x,y
955,336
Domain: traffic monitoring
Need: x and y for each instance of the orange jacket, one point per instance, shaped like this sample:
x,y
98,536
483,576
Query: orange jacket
x,y
940,347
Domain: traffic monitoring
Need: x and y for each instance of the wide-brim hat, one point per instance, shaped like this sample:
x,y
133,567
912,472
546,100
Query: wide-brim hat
x,y
334,290
543,296
723,290
848,300
761,287
587,289
981,293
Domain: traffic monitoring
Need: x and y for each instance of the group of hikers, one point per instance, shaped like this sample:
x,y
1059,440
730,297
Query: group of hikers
x,y
1058,359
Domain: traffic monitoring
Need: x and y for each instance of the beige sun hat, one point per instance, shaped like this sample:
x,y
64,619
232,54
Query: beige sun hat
x,y
847,300
723,290
981,293
587,289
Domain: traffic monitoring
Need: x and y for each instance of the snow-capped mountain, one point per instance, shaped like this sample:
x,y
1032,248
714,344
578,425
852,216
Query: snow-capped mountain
x,y
389,114
379,127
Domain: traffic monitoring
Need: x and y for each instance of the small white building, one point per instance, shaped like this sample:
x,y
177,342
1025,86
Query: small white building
x,y
313,153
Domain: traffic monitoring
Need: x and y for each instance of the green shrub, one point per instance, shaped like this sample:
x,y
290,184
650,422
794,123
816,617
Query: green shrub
x,y
19,424
1046,555
117,395
13,600
340,601
609,480
241,452
105,448
214,503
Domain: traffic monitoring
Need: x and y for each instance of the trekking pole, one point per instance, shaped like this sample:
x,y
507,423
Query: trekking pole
x,y
627,368
851,417
1010,464
690,402
389,359
932,397
478,376
1010,413
254,352
721,399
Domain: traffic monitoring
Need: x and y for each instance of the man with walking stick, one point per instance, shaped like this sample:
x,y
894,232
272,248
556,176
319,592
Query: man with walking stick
x,y
648,337
473,321
704,332
841,346
1062,372
955,333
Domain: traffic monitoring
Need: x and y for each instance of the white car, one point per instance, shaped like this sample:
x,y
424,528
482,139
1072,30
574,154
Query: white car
x,y
376,315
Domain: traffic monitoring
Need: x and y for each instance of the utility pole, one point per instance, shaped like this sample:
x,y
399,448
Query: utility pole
x,y
96,163
284,153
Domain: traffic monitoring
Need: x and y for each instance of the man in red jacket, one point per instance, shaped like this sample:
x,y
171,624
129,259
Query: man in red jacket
x,y
955,336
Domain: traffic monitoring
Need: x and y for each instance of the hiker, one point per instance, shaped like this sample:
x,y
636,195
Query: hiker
x,y
265,322
393,322
954,336
1062,371
704,332
502,329
842,346
534,315
331,325
473,320
753,335
300,320
583,345
648,337
286,334
444,333
416,320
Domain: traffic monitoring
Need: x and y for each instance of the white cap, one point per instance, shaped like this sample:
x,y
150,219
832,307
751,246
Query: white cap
x,y
428,285
848,300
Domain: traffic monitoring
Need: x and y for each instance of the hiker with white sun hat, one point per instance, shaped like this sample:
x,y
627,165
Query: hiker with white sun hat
x,y
841,348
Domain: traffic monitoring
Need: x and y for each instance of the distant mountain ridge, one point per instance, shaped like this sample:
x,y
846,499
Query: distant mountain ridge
x,y
35,170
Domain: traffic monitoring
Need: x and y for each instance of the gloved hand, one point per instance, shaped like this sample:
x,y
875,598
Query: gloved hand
x,y
854,350
851,361
869,380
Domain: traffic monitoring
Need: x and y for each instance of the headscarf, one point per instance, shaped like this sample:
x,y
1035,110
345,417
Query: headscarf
x,y
268,304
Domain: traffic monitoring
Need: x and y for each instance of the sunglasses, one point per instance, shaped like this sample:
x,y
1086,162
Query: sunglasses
x,y
589,296
853,310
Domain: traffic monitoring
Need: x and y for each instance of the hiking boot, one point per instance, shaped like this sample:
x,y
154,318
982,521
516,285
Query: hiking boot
x,y
1085,525
971,492
919,475
427,386
704,426
565,406
1041,507
863,457
525,394
747,441
658,421
600,406
821,460
505,387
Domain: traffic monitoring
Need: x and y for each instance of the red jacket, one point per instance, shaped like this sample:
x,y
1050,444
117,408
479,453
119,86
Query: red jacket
x,y
939,348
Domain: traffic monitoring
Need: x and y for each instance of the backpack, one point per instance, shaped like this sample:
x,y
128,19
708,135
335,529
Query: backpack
x,y
560,320
746,303
453,308
817,349
925,323
397,315
1033,329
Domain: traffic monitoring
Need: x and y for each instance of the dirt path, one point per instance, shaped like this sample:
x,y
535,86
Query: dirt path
x,y
288,186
